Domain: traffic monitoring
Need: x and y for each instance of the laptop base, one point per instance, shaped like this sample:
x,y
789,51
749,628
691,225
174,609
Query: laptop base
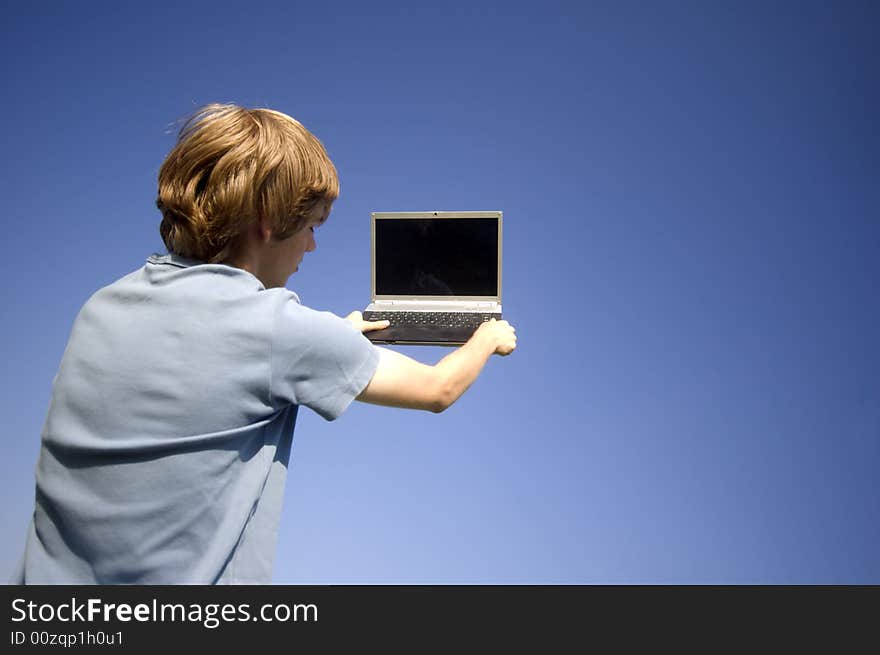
x,y
421,336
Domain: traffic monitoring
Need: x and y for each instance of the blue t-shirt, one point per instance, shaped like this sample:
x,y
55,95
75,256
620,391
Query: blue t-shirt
x,y
165,449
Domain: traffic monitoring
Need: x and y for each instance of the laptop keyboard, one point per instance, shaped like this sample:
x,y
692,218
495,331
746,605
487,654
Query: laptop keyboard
x,y
432,319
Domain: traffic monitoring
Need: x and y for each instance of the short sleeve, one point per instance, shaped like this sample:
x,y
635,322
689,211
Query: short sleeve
x,y
319,360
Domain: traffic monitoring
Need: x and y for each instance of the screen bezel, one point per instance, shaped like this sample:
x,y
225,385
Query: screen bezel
x,y
374,216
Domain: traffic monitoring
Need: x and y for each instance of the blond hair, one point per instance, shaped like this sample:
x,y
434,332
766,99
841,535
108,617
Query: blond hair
x,y
231,167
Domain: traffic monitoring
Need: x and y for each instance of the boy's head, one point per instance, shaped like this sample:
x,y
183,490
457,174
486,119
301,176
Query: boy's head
x,y
233,168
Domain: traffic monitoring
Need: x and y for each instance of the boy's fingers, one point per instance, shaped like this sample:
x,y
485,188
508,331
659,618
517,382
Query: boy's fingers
x,y
376,325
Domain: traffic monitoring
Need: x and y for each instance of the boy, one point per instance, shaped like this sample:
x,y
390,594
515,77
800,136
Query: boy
x,y
165,447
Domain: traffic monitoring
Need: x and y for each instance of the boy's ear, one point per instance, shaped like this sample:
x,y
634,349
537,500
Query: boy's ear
x,y
265,230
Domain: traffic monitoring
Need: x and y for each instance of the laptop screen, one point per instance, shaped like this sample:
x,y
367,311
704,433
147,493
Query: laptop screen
x,y
436,256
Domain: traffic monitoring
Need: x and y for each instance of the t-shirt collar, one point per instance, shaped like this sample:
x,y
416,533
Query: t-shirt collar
x,y
173,259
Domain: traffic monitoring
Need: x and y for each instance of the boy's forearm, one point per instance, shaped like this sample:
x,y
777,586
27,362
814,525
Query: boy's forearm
x,y
459,369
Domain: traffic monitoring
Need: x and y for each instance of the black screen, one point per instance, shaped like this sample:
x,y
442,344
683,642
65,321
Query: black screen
x,y
437,257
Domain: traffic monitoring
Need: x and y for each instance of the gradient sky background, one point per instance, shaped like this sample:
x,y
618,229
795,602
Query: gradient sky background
x,y
692,257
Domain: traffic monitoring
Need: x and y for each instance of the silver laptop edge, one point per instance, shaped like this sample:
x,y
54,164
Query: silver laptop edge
x,y
489,304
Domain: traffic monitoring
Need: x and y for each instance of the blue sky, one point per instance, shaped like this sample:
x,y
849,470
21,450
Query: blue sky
x,y
692,251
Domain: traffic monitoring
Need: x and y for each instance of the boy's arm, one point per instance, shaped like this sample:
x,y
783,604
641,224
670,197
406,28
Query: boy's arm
x,y
401,381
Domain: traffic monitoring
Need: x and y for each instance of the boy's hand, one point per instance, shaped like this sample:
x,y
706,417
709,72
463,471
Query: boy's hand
x,y
500,334
357,319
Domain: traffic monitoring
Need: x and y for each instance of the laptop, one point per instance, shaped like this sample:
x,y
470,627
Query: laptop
x,y
436,276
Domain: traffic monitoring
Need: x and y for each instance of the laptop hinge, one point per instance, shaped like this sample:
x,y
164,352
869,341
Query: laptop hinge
x,y
441,304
